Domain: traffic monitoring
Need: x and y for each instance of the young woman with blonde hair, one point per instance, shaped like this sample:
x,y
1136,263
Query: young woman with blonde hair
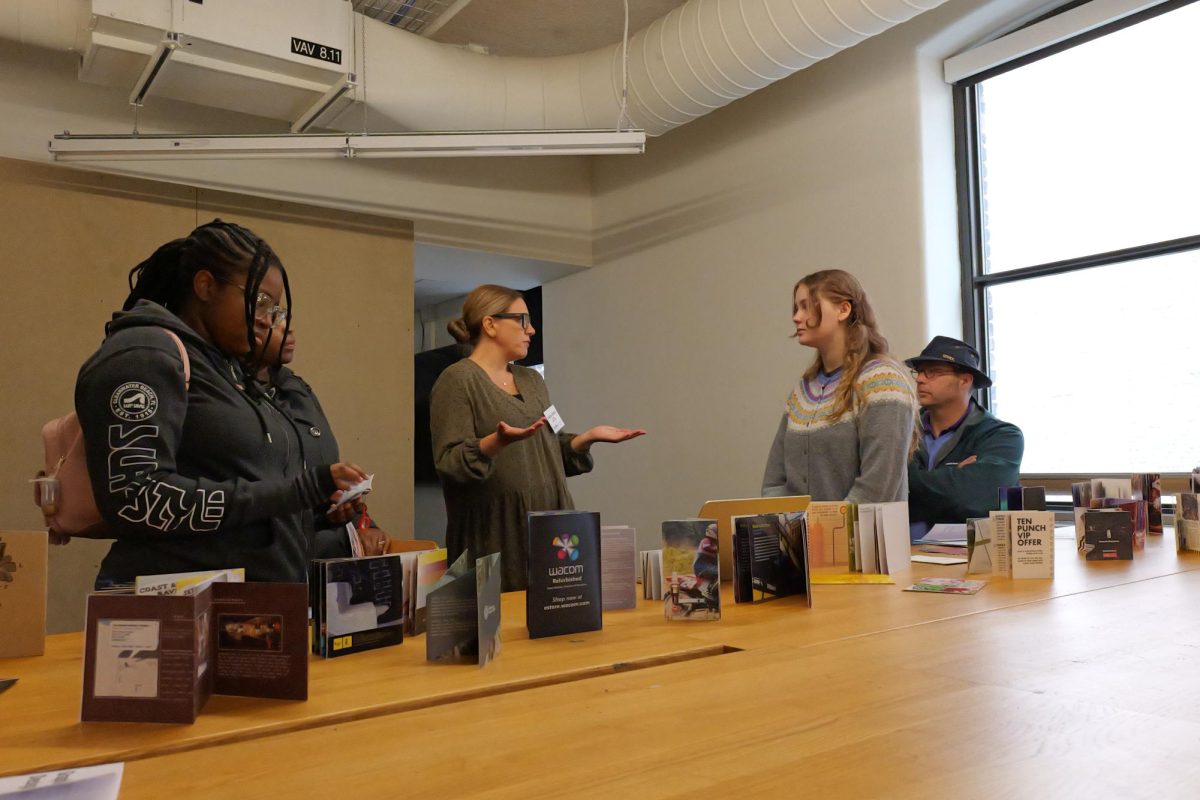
x,y
847,429
495,453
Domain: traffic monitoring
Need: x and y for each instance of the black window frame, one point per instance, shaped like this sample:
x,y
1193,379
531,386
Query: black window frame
x,y
974,281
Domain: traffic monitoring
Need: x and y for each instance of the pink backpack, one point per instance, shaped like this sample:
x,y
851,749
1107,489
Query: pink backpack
x,y
63,489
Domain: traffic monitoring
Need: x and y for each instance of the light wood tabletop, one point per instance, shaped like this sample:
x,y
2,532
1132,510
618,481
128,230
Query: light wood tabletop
x,y
1085,695
41,713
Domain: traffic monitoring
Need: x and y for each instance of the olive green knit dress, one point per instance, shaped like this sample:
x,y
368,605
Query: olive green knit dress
x,y
487,500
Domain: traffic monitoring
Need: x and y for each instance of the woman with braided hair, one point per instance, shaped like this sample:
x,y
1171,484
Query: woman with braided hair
x,y
847,430
203,473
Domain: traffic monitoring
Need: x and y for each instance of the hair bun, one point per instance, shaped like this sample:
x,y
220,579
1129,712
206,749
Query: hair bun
x,y
458,329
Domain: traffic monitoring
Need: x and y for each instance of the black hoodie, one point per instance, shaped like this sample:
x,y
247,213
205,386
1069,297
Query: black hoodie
x,y
297,398
208,478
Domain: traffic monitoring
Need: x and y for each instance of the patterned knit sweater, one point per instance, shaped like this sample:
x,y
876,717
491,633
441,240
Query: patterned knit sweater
x,y
861,456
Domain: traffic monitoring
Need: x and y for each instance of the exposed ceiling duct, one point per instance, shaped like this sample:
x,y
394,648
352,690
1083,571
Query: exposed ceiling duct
x,y
56,24
244,56
699,57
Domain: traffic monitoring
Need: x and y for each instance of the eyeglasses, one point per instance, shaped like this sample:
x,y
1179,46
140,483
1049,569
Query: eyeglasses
x,y
522,319
932,372
265,306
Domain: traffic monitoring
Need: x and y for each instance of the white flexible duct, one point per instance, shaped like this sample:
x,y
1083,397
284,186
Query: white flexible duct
x,y
699,57
57,24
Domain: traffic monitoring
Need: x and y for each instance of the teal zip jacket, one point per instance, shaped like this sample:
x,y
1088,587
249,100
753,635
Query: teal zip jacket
x,y
948,493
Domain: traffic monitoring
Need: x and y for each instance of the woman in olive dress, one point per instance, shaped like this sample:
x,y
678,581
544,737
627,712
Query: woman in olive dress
x,y
496,454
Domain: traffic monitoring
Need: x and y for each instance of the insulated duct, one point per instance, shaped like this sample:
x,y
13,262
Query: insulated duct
x,y
699,57
56,24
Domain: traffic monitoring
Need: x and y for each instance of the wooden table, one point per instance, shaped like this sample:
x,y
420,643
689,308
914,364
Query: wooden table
x,y
1086,695
391,687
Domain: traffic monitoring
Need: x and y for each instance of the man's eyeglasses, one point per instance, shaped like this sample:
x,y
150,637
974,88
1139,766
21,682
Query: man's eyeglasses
x,y
265,307
522,319
932,372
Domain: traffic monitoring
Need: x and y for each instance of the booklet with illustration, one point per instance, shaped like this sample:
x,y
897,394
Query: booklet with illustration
x,y
618,566
185,582
1108,535
830,534
946,586
770,557
431,566
979,545
564,590
157,658
101,782
652,575
882,537
23,575
1187,521
1147,487
358,604
410,561
463,619
691,569
261,636
946,533
1022,498
1139,515
1103,488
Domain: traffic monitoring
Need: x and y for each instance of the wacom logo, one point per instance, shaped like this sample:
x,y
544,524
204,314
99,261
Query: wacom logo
x,y
568,547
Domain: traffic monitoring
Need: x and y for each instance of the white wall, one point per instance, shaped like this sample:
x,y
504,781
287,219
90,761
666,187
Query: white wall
x,y
682,325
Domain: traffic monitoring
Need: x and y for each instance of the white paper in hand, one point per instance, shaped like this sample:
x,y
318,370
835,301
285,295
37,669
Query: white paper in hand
x,y
554,420
354,492
356,548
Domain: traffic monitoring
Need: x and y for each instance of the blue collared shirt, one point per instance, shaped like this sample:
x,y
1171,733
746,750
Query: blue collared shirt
x,y
933,446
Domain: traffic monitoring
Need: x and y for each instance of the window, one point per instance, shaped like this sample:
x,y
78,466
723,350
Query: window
x,y
1079,176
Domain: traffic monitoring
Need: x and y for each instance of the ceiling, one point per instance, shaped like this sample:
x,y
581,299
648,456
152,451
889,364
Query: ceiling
x,y
443,273
520,27
533,28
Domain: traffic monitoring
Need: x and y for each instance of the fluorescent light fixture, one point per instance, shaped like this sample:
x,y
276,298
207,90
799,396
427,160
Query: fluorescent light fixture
x,y
498,143
154,66
326,102
68,147
85,147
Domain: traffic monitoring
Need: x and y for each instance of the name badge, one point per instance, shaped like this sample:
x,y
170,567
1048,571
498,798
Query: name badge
x,y
556,422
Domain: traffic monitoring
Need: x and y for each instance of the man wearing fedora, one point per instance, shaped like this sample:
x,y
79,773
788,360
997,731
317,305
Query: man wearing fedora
x,y
964,454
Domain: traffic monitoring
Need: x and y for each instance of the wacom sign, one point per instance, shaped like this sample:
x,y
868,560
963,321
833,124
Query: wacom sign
x,y
303,47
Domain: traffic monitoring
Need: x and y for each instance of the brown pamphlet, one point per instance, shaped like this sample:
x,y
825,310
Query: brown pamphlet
x,y
152,658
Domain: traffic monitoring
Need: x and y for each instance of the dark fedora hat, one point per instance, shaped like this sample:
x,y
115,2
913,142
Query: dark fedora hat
x,y
960,355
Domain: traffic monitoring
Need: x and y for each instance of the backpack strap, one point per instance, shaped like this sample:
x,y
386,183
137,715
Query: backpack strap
x,y
183,356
